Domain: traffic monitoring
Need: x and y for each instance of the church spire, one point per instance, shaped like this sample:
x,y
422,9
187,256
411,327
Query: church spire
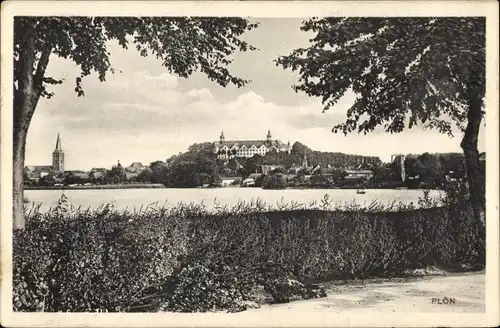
x,y
58,156
58,143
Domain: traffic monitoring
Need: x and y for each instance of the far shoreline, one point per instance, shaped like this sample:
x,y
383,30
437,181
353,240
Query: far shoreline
x,y
161,186
103,186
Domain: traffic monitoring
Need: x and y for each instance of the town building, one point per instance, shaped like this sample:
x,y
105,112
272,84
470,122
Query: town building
x,y
400,160
267,169
135,167
248,148
228,181
357,174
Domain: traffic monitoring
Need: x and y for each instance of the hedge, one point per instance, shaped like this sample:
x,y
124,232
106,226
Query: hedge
x,y
187,258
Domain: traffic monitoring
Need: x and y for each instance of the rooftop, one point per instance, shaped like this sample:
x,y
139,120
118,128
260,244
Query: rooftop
x,y
250,143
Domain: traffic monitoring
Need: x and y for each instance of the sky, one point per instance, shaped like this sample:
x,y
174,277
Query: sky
x,y
143,113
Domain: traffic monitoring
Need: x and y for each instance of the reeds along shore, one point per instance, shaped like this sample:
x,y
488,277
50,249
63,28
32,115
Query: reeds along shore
x,y
186,258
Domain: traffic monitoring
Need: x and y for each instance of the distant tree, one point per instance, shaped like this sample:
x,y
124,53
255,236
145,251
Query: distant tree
x,y
158,164
259,181
355,182
252,165
454,162
277,170
205,163
183,44
145,176
319,179
431,170
69,178
182,175
274,181
158,169
205,146
413,167
206,178
232,165
117,174
338,175
404,71
328,158
97,177
47,180
301,176
299,149
382,175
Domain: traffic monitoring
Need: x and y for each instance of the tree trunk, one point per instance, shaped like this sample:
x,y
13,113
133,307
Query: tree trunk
x,y
18,171
26,96
469,146
24,107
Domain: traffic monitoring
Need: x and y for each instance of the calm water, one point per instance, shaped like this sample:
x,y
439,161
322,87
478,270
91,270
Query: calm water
x,y
135,198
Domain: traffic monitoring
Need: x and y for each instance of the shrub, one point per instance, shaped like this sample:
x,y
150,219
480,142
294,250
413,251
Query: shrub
x,y
187,258
274,181
90,260
196,288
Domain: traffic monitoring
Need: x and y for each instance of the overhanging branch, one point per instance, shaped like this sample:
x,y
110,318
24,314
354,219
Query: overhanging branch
x,y
42,66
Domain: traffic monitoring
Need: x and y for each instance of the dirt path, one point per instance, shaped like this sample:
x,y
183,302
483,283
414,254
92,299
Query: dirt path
x,y
416,295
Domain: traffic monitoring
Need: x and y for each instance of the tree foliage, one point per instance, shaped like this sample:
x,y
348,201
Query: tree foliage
x,y
334,159
404,71
183,44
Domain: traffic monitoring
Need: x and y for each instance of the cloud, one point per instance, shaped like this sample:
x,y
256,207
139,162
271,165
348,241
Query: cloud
x,y
165,79
200,93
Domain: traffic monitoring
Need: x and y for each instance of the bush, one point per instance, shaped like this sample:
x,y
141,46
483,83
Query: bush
x,y
93,260
274,181
196,288
284,287
187,258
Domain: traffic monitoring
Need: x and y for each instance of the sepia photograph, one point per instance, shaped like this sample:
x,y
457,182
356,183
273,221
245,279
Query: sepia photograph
x,y
241,166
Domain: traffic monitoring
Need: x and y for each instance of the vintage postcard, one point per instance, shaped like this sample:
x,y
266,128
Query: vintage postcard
x,y
249,164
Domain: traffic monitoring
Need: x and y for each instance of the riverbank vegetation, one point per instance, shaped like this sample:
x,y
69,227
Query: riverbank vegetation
x,y
187,258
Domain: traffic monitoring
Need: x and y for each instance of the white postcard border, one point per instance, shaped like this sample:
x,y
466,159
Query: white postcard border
x,y
254,9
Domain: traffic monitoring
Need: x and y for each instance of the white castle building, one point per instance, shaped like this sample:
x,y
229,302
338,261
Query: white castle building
x,y
248,148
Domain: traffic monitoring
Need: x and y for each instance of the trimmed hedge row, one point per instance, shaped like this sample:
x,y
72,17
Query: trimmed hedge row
x,y
186,259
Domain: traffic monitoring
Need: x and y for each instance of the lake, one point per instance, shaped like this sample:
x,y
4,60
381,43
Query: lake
x,y
135,198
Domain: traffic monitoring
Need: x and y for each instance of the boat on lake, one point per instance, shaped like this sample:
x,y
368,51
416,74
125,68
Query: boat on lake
x,y
361,191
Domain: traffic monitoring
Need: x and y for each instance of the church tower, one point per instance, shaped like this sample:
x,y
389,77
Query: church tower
x,y
58,157
269,138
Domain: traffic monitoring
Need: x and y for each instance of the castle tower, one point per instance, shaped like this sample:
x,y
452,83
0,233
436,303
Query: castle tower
x,y
269,137
304,161
58,157
222,138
